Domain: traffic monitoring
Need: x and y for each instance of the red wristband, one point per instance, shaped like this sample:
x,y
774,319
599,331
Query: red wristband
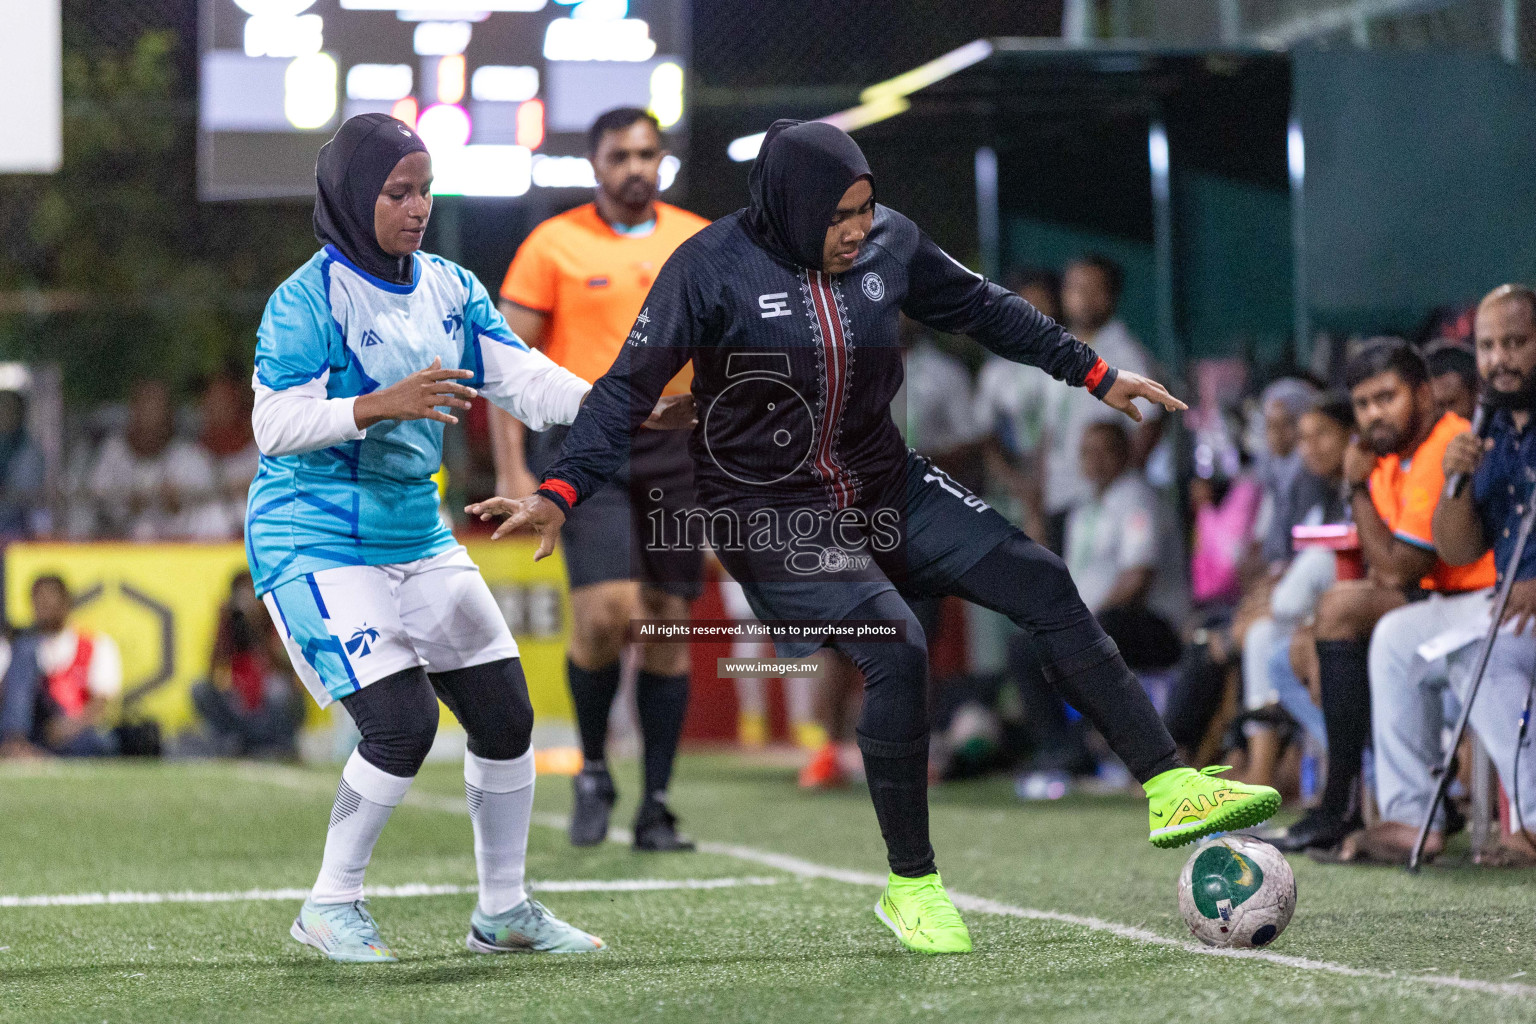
x,y
561,488
1095,375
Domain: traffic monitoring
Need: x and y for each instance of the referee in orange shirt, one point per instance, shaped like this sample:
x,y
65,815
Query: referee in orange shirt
x,y
574,289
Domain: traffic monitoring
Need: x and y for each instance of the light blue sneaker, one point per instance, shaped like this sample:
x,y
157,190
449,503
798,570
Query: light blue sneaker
x,y
345,932
528,928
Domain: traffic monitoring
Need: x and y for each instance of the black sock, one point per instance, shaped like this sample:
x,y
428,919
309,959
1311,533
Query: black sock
x,y
592,691
1097,683
898,785
1346,692
661,703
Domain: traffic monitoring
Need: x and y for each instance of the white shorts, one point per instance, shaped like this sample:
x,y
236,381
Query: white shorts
x,y
352,625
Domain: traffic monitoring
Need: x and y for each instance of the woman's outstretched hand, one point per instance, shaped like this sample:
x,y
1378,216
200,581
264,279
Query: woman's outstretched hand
x,y
418,397
535,510
1129,385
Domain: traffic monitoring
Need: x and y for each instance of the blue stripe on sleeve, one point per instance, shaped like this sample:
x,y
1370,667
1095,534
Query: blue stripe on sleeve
x,y
1415,542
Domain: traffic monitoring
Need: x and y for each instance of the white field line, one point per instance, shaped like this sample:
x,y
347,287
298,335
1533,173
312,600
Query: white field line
x,y
294,779
92,899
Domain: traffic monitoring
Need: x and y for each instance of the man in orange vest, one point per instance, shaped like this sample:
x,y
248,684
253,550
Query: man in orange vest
x,y
60,683
1395,476
575,288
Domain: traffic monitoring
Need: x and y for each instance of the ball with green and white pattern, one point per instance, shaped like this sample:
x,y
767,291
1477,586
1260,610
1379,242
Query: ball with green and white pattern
x,y
1237,892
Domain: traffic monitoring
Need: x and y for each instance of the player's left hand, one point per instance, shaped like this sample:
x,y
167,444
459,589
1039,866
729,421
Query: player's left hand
x,y
535,510
673,412
1521,608
1130,385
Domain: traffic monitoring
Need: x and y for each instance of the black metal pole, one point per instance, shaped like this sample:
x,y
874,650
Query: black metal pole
x,y
1501,599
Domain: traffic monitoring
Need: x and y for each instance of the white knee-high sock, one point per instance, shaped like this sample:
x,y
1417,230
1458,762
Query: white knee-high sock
x,y
500,803
364,800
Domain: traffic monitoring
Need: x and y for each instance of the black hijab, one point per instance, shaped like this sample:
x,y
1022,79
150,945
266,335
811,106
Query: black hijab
x,y
349,175
800,174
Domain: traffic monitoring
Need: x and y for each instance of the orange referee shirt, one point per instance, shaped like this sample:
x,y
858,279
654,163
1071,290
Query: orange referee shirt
x,y
1405,495
592,281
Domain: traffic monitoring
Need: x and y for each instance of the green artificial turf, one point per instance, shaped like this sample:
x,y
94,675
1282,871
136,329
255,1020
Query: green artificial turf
x,y
799,950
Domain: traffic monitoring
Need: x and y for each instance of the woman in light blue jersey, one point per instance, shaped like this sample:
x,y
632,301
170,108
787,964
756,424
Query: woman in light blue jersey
x,y
360,358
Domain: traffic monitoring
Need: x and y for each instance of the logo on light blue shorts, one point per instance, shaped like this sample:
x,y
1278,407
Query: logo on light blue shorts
x,y
362,641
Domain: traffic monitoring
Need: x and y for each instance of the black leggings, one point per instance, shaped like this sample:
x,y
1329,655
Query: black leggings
x,y
1031,586
397,715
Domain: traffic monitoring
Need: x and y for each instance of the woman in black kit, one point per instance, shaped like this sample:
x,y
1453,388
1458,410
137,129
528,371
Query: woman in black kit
x,y
789,310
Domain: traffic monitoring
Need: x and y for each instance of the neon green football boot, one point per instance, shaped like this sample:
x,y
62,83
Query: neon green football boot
x,y
919,911
1186,804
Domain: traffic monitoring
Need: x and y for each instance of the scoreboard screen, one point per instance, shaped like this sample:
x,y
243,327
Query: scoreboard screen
x,y
501,91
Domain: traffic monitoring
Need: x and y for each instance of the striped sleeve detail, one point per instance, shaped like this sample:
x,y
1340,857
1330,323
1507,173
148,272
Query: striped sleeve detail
x,y
1412,541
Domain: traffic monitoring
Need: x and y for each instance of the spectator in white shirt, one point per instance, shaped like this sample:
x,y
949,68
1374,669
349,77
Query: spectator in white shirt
x,y
1089,293
1010,416
1123,552
934,406
148,484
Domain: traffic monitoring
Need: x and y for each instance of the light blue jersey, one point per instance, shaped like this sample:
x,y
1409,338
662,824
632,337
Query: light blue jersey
x,y
328,494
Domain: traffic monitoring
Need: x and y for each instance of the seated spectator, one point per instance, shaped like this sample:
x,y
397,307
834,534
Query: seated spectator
x,y
1124,555
228,441
1127,561
1409,677
61,682
22,471
1054,416
251,699
1395,478
1287,494
1452,377
934,407
1011,419
1224,511
1278,471
1268,680
148,484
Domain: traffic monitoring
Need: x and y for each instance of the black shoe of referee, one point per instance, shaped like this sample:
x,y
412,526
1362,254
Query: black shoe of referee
x,y
594,799
656,829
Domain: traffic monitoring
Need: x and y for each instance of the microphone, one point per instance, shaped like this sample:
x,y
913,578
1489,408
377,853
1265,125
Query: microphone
x,y
1482,423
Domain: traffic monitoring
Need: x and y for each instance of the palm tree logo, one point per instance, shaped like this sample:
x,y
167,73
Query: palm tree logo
x,y
362,640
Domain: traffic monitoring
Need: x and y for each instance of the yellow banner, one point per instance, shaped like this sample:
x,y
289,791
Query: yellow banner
x,y
160,602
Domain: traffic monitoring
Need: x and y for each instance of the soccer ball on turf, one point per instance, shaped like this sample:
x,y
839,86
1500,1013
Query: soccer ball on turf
x,y
1236,891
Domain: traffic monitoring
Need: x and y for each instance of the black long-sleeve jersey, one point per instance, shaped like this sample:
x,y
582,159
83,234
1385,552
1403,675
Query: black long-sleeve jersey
x,y
795,369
